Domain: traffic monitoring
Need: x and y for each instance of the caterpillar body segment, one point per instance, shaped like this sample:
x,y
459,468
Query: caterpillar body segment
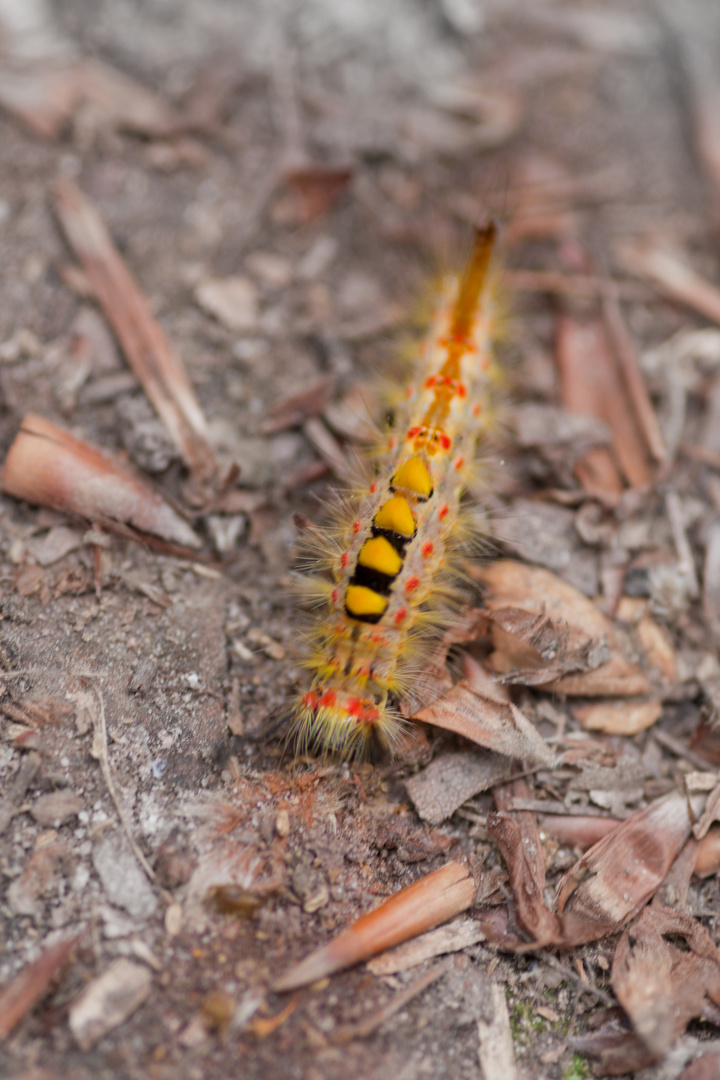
x,y
390,562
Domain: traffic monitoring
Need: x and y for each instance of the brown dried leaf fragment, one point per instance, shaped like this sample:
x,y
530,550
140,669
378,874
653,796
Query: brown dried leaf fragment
x,y
295,409
539,592
576,830
707,856
625,717
591,384
661,983
427,903
451,780
616,878
47,466
31,984
519,842
488,721
148,350
313,190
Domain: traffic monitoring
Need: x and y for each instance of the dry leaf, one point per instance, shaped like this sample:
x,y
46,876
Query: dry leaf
x,y
148,350
451,780
30,985
495,724
664,970
314,189
616,878
541,593
432,900
625,717
47,466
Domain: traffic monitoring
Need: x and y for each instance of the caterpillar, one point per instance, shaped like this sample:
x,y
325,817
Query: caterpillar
x,y
388,585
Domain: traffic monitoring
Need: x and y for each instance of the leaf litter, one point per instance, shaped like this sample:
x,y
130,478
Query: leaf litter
x,y
589,685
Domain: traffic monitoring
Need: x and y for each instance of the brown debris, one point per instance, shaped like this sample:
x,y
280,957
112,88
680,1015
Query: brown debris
x,y
591,384
313,190
544,595
432,900
519,842
143,340
451,780
707,857
488,721
663,985
31,985
616,878
626,717
15,791
47,466
399,1001
294,410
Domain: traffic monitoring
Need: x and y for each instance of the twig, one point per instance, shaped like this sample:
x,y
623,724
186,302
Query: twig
x,y
673,276
699,453
100,753
349,1032
630,366
679,749
553,281
686,562
572,976
16,789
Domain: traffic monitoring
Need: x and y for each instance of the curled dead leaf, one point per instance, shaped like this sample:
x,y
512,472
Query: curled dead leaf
x,y
495,724
664,970
47,466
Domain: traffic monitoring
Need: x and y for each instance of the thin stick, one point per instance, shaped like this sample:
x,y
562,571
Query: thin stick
x,y
350,1032
630,366
100,753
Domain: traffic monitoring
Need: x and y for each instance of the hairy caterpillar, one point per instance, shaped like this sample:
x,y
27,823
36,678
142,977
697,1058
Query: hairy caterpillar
x,y
389,581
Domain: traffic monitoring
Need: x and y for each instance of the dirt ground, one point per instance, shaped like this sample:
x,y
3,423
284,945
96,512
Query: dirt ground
x,y
421,113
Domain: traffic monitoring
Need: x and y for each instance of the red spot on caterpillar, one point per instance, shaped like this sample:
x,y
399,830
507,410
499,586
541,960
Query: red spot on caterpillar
x,y
413,432
427,549
461,390
392,443
310,700
476,409
412,584
445,442
430,382
344,559
328,700
373,487
459,463
356,527
400,616
443,512
354,707
335,596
